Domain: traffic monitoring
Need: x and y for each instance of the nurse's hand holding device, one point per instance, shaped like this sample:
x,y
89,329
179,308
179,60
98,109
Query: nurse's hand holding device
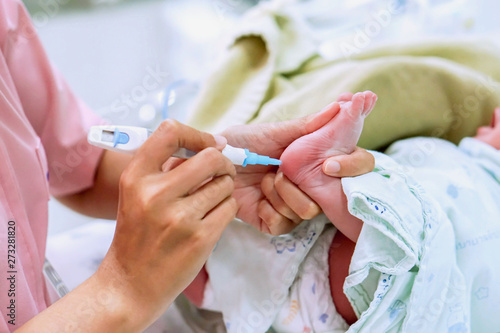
x,y
185,217
167,225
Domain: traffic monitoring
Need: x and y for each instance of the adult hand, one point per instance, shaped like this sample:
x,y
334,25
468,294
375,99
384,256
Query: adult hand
x,y
167,226
357,163
285,205
168,222
254,190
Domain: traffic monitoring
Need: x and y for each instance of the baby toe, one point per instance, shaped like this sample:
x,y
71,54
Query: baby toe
x,y
357,105
371,99
345,97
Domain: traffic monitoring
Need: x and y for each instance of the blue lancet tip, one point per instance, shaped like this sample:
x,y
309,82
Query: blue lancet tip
x,y
253,159
274,161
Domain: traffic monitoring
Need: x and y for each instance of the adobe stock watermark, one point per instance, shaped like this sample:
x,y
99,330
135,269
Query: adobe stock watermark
x,y
423,148
364,35
120,108
223,8
265,310
471,104
48,10
449,300
93,307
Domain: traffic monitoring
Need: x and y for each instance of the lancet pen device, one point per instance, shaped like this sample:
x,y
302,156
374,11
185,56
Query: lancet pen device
x,y
127,139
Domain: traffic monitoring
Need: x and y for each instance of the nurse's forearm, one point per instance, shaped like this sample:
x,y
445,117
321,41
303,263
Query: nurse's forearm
x,y
101,200
91,307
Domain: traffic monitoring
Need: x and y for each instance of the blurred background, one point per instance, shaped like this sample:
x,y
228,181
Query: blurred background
x,y
136,61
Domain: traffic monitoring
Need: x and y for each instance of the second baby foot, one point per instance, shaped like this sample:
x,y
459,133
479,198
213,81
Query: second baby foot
x,y
303,159
491,134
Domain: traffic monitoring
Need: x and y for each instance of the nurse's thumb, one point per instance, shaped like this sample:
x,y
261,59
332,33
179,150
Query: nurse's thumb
x,y
168,138
359,162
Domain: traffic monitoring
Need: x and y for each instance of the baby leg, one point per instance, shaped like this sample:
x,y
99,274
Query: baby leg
x,y
195,291
303,159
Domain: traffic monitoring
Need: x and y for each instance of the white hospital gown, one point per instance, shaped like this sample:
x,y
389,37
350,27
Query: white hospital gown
x,y
425,261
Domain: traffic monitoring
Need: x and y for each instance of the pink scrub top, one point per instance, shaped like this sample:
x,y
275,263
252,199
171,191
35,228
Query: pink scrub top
x,y
43,129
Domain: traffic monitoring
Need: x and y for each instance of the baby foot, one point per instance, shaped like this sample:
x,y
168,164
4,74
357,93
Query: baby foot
x,y
303,159
491,134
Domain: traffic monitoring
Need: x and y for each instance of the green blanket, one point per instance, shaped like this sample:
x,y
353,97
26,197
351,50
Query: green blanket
x,y
272,71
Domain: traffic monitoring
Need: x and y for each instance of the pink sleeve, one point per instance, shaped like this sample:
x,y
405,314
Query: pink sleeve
x,y
59,118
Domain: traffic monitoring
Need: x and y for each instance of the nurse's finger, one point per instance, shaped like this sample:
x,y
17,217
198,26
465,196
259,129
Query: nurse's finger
x,y
218,218
357,163
269,190
172,163
207,197
192,173
166,140
276,223
298,201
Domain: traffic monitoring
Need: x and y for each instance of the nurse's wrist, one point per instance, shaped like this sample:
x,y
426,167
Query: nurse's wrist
x,y
104,307
131,306
119,301
94,306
